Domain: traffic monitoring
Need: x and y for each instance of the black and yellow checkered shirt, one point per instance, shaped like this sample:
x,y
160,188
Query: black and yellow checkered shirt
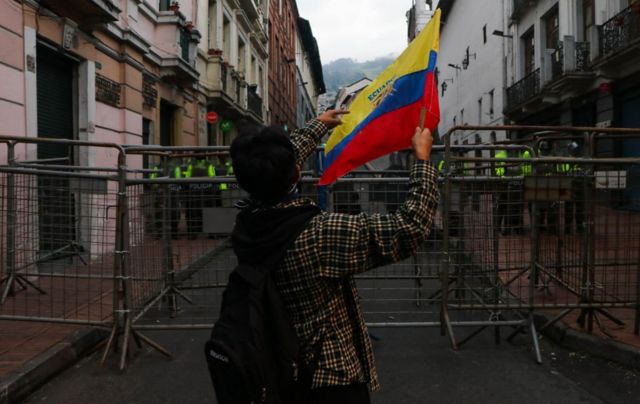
x,y
316,275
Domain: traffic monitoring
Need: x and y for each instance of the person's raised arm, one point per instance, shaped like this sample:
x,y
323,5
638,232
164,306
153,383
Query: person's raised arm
x,y
351,244
305,140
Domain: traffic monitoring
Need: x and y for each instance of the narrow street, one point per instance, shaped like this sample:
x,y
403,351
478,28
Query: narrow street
x,y
415,366
478,163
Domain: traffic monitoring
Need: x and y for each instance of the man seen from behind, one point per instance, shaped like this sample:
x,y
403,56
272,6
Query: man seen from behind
x,y
316,274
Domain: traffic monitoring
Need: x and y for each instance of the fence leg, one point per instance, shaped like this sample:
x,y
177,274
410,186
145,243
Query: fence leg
x,y
534,338
13,276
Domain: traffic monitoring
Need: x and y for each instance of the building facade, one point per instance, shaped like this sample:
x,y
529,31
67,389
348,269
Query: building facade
x,y
110,71
233,64
309,77
347,94
282,63
576,63
103,71
418,17
471,73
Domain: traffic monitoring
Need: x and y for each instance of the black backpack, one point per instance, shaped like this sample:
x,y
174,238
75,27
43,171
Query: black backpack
x,y
254,355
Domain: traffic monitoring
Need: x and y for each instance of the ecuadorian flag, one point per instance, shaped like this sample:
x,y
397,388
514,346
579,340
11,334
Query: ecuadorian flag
x,y
384,116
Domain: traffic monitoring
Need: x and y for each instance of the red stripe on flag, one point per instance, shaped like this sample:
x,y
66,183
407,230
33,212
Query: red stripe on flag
x,y
386,134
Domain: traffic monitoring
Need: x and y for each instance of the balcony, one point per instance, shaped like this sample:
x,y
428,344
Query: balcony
x,y
178,44
621,33
564,70
224,88
254,104
567,67
523,91
252,9
86,13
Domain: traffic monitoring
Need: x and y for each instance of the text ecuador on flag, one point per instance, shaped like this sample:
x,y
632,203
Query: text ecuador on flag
x,y
384,116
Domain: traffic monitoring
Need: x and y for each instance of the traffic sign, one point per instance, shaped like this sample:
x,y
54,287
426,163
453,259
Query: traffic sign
x,y
212,117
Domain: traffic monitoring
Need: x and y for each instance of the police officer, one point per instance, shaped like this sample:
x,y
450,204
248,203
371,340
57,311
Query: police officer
x,y
227,188
195,197
157,203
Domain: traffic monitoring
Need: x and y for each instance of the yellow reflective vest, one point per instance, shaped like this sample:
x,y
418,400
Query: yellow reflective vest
x,y
500,169
526,167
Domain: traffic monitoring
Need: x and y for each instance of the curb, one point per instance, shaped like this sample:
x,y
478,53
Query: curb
x,y
18,384
604,348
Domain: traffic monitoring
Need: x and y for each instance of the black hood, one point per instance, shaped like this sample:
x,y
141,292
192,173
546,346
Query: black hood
x,y
258,234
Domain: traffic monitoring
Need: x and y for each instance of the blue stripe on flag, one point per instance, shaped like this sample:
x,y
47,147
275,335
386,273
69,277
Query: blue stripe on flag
x,y
406,91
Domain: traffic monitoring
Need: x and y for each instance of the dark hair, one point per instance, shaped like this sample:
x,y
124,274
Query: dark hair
x,y
264,163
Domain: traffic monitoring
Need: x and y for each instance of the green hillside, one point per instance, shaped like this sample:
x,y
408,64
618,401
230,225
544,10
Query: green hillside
x,y
345,71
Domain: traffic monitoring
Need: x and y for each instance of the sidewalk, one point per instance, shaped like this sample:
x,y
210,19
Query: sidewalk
x,y
33,352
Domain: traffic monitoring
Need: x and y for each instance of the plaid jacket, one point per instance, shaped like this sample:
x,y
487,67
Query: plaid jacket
x,y
316,280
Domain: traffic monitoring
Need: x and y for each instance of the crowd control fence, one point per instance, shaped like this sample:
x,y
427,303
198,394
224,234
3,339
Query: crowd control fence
x,y
136,238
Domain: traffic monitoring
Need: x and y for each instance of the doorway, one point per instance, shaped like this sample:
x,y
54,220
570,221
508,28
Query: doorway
x,y
55,97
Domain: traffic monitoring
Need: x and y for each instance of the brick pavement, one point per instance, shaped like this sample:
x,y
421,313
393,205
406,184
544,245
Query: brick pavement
x,y
80,300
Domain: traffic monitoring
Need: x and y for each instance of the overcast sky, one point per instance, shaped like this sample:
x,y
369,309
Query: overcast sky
x,y
357,29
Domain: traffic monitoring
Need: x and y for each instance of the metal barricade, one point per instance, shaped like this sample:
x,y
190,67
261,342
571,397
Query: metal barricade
x,y
58,232
183,215
138,249
557,238
405,293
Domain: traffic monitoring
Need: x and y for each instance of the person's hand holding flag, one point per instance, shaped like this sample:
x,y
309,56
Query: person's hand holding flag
x,y
421,143
332,117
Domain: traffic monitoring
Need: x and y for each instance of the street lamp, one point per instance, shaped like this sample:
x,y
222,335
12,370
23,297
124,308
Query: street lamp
x,y
465,61
501,34
454,66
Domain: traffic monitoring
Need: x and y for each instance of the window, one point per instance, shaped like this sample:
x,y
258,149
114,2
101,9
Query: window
x,y
241,56
462,117
455,121
164,5
484,34
491,99
480,111
588,17
552,32
211,26
528,45
226,38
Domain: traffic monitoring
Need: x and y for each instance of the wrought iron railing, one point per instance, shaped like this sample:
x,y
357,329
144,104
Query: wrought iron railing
x,y
254,103
620,31
583,56
523,90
